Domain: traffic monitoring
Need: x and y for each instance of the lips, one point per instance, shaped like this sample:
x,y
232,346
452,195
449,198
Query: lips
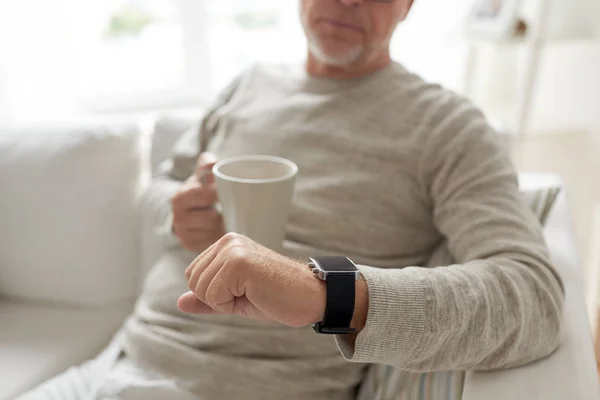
x,y
340,24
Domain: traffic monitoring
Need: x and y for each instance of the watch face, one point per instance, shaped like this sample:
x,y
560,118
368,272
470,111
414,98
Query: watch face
x,y
335,264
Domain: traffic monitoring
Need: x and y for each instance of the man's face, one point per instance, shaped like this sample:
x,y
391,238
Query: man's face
x,y
345,32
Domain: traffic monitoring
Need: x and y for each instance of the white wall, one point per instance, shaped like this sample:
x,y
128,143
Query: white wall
x,y
568,95
31,75
568,18
4,34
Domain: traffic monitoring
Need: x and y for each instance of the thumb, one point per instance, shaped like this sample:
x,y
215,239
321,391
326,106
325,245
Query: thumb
x,y
189,303
204,166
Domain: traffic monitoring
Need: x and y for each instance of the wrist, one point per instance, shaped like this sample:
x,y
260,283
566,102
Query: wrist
x,y
320,296
361,305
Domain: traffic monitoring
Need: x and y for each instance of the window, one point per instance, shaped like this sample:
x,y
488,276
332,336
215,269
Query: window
x,y
67,57
245,31
430,41
132,53
127,53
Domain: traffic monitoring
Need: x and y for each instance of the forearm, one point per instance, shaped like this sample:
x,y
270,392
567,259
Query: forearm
x,y
487,314
500,304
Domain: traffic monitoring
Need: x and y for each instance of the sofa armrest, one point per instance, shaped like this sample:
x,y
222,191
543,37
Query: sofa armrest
x,y
570,373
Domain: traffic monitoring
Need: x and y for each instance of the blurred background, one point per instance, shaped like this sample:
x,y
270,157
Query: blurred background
x,y
70,57
533,66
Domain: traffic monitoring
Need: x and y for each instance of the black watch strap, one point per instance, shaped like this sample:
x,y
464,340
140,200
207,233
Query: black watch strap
x,y
341,295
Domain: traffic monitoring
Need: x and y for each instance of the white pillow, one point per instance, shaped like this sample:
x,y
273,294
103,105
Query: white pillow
x,y
69,213
167,130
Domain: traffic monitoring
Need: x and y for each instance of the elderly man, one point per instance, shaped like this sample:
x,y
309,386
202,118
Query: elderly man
x,y
390,168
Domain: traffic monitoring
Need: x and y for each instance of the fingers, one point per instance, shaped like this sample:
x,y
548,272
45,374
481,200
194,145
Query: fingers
x,y
223,289
204,166
211,281
197,229
194,195
200,190
200,281
206,160
209,250
199,220
200,264
189,303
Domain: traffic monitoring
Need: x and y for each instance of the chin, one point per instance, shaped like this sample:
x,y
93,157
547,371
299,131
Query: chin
x,y
335,58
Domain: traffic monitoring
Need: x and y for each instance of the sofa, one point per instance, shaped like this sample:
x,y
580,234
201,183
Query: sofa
x,y
77,237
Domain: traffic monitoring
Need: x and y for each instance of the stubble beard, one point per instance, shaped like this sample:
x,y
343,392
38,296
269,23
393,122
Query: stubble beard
x,y
351,56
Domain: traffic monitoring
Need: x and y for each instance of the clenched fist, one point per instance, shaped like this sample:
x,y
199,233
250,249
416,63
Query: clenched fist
x,y
238,276
196,222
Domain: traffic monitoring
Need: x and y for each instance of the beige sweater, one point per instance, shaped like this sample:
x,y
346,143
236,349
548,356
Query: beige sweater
x,y
390,167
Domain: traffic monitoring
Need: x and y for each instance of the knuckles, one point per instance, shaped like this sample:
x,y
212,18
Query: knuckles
x,y
236,249
192,193
231,237
237,257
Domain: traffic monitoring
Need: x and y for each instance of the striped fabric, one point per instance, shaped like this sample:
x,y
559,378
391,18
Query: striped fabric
x,y
383,382
387,383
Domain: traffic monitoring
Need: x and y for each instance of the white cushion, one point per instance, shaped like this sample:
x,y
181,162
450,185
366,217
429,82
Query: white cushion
x,y
69,213
39,342
167,130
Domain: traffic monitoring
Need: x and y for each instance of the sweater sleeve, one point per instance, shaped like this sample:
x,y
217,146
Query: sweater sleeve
x,y
500,305
181,165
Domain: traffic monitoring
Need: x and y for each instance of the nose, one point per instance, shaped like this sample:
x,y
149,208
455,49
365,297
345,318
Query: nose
x,y
352,3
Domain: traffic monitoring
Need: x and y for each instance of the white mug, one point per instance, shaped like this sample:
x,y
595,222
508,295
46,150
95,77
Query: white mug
x,y
255,196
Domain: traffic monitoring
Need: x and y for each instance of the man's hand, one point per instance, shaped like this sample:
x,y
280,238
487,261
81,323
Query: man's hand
x,y
238,276
196,222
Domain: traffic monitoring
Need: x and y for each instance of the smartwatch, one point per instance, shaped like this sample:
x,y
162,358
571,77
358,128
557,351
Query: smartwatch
x,y
340,275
